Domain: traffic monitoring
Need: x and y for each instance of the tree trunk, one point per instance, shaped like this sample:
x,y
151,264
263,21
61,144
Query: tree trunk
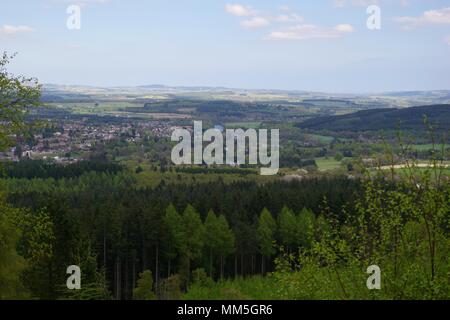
x,y
253,264
262,265
144,256
157,268
168,268
118,280
104,247
189,270
210,263
221,267
134,271
127,284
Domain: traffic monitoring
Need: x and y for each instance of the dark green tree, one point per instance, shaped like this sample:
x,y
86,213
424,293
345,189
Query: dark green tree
x,y
11,263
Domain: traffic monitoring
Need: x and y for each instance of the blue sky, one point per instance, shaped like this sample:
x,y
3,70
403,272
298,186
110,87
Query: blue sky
x,y
321,45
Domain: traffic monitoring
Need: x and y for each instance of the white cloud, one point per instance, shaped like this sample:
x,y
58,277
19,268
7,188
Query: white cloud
x,y
293,24
9,30
310,31
436,17
264,21
365,3
82,3
256,22
344,28
240,10
256,19
291,17
85,1
342,3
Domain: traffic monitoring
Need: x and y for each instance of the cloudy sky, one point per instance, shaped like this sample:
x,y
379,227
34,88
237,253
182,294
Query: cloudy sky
x,y
321,45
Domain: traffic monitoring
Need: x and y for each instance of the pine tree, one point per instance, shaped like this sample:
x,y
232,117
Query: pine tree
x,y
212,244
266,235
305,228
192,235
174,224
226,241
287,227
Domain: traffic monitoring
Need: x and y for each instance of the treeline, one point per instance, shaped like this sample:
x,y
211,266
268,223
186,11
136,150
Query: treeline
x,y
114,231
30,169
216,170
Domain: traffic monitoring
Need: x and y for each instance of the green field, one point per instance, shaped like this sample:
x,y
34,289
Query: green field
x,y
243,125
325,164
426,147
95,108
321,138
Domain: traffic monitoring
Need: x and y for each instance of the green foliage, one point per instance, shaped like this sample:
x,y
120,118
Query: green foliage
x,y
192,232
11,263
37,246
212,242
266,233
91,289
144,289
192,235
200,278
251,288
171,288
338,156
305,228
400,226
174,224
287,227
17,95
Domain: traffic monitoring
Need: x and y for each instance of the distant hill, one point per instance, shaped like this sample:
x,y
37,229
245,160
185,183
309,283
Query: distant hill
x,y
383,119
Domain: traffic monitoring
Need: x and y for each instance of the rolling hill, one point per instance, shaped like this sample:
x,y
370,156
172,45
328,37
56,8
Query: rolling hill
x,y
383,119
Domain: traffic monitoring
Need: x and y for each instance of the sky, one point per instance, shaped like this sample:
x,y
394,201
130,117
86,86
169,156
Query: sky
x,y
321,45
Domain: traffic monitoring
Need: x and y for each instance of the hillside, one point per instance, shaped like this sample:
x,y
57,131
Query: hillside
x,y
383,119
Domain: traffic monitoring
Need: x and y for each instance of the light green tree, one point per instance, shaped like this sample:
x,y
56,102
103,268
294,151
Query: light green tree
x,y
212,244
219,239
144,288
37,247
192,238
226,241
174,225
17,95
287,228
305,228
266,235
